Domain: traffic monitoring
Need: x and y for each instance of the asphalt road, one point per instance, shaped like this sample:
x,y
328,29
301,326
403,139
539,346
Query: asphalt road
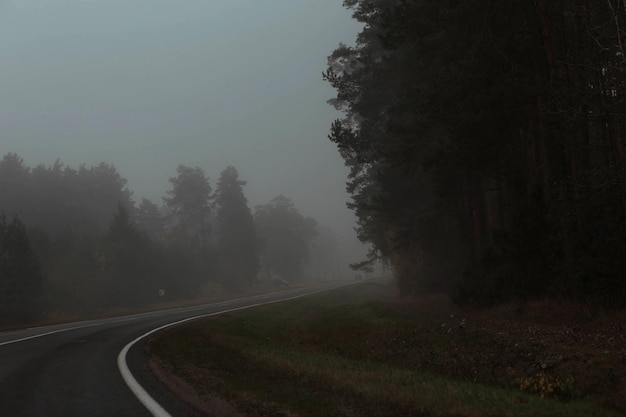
x,y
72,369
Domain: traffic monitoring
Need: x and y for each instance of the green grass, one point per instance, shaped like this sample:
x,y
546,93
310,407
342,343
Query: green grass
x,y
347,353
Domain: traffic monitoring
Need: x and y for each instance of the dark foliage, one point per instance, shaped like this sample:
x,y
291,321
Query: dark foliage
x,y
486,145
57,197
284,236
21,276
189,206
93,248
237,242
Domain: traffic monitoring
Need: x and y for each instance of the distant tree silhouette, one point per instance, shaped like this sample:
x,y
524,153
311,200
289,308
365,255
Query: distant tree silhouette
x,y
284,236
15,186
189,205
236,236
150,220
324,254
58,197
21,275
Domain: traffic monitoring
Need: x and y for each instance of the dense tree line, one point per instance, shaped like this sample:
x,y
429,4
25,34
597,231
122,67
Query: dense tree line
x,y
21,276
79,242
285,236
56,197
486,145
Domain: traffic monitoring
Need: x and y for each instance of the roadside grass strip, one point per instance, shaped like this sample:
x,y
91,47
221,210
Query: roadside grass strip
x,y
310,357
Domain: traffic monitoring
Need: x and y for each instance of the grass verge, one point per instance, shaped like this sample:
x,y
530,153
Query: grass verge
x,y
358,351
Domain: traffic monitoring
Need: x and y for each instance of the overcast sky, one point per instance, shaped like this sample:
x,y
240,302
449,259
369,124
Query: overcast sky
x,y
150,84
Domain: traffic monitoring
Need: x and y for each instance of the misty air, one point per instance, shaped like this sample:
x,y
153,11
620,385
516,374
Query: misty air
x,y
312,208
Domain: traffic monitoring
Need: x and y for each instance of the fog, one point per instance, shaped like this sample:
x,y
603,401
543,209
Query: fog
x,y
150,84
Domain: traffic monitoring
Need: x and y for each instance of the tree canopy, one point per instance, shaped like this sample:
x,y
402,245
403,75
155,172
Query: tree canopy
x,y
189,205
58,197
485,144
284,237
150,220
21,275
81,243
237,241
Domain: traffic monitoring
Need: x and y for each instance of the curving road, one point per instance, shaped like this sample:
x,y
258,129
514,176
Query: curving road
x,y
77,369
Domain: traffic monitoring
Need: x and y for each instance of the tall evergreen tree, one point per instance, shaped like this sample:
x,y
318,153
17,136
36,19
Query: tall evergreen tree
x,y
21,276
150,220
189,205
491,133
237,242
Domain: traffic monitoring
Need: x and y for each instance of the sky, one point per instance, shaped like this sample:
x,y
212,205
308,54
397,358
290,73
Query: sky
x,y
150,84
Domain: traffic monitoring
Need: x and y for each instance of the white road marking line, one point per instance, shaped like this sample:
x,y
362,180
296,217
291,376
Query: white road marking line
x,y
114,320
111,320
45,334
137,316
142,395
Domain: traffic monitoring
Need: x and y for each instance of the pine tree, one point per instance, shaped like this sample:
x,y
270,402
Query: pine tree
x,y
237,242
21,276
189,205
